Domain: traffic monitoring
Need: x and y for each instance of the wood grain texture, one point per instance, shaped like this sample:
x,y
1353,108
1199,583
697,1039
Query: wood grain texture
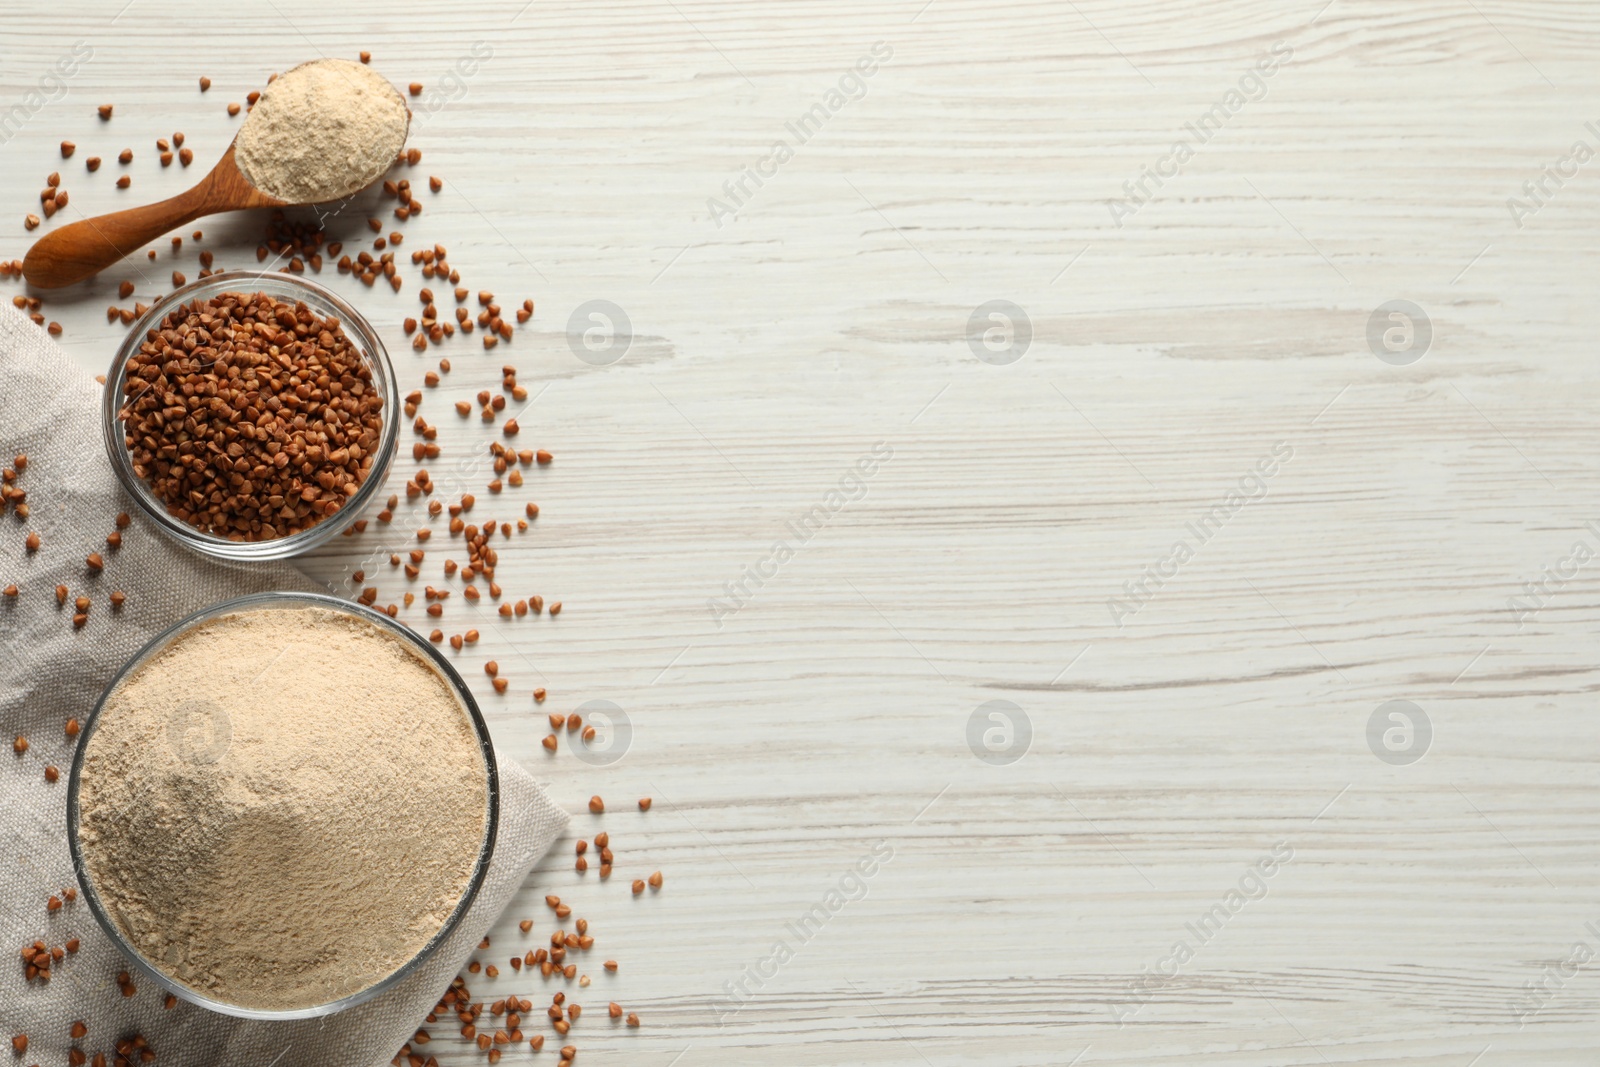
x,y
1169,355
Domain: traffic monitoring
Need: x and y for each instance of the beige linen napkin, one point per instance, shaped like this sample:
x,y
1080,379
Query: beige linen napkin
x,y
50,410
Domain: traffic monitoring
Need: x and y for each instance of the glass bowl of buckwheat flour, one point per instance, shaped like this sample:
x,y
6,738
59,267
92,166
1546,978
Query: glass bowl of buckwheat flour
x,y
251,415
282,806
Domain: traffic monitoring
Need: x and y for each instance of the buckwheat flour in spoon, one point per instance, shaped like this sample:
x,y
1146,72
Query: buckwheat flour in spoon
x,y
321,131
267,806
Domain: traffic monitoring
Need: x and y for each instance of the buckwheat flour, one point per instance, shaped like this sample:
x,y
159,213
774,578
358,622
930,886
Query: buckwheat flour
x,y
262,803
322,130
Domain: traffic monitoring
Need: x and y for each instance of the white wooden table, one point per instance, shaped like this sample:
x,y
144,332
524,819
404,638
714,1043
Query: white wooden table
x,y
1031,911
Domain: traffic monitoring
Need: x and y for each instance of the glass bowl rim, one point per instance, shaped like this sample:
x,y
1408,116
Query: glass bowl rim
x,y
287,286
432,657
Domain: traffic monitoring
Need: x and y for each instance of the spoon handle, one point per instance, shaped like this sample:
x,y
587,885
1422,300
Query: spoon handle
x,y
84,248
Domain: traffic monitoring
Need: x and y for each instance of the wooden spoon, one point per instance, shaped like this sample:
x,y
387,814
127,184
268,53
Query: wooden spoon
x,y
86,247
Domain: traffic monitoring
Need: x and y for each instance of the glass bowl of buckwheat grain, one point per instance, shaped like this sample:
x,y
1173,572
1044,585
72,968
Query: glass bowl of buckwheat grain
x,y
251,415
